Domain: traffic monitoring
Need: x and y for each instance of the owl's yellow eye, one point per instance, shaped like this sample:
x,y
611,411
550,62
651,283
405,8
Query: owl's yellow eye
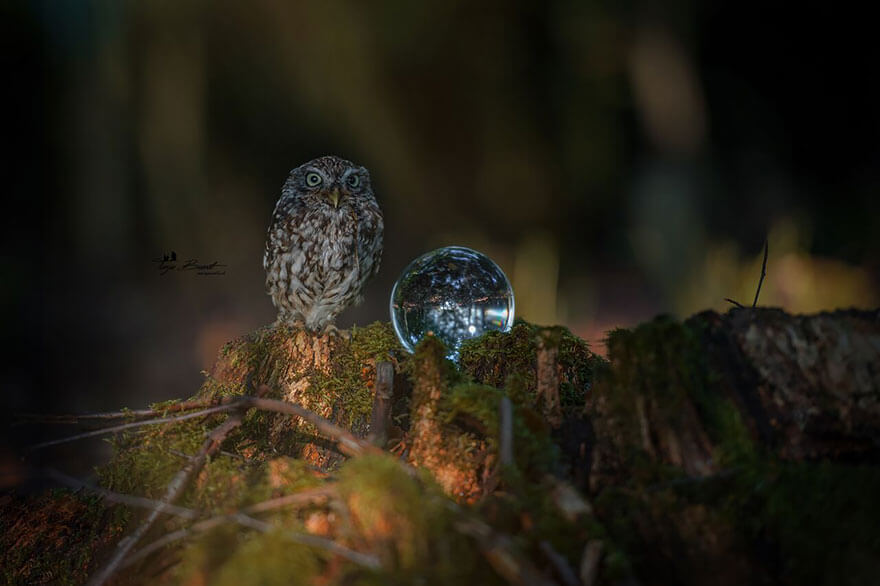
x,y
313,180
353,181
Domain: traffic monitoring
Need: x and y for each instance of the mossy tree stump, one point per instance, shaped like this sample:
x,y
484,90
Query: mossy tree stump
x,y
742,448
331,375
737,448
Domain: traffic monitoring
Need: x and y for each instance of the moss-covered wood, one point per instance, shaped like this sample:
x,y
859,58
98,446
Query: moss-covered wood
x,y
736,448
742,448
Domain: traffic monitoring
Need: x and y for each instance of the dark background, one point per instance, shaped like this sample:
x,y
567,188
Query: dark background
x,y
617,161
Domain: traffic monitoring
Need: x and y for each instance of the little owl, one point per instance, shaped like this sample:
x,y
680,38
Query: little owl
x,y
324,242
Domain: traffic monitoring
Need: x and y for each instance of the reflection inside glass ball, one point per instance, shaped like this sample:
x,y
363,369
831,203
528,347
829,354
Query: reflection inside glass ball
x,y
454,293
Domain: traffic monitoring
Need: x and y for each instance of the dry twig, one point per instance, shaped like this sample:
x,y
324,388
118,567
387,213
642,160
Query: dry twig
x,y
243,518
560,564
348,443
590,562
77,418
175,488
356,557
763,271
134,424
499,551
760,281
123,499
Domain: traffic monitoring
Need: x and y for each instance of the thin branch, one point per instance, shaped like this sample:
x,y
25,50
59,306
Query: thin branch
x,y
115,428
76,418
361,559
348,443
760,281
502,555
175,488
560,564
124,499
179,454
300,498
170,538
589,569
763,271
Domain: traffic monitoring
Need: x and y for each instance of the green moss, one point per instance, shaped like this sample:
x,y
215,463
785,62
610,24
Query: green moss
x,y
229,558
259,352
535,453
658,361
145,463
579,368
817,520
430,353
147,460
347,385
408,521
391,507
214,388
820,517
278,477
376,341
494,357
663,363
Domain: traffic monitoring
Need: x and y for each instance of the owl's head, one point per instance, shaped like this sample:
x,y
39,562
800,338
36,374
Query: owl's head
x,y
330,181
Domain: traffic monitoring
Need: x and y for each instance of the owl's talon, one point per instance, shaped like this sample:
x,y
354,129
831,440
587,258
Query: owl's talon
x,y
332,330
294,324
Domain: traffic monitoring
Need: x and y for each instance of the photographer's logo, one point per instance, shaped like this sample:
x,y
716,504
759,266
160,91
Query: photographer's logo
x,y
168,262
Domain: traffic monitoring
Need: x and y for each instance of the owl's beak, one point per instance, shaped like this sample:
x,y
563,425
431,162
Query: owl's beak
x,y
334,197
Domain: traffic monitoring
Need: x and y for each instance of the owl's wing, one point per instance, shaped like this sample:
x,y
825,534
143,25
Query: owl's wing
x,y
274,239
281,236
370,229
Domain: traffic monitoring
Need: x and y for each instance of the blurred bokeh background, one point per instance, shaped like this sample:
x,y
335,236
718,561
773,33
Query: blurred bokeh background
x,y
617,161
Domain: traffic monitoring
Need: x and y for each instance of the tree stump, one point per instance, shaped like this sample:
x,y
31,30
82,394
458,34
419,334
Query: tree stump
x,y
329,374
725,449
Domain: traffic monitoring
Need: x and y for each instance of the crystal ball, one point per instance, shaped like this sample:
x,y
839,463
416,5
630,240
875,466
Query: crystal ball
x,y
454,293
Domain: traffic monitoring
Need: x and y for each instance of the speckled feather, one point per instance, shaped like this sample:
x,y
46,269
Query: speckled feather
x,y
319,257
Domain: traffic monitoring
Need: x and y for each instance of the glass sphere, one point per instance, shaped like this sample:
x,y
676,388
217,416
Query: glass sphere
x,y
454,293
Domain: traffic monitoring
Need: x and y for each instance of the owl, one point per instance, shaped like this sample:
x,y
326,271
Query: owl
x,y
324,242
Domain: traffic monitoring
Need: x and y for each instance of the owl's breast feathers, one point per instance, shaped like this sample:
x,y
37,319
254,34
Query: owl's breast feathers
x,y
317,261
